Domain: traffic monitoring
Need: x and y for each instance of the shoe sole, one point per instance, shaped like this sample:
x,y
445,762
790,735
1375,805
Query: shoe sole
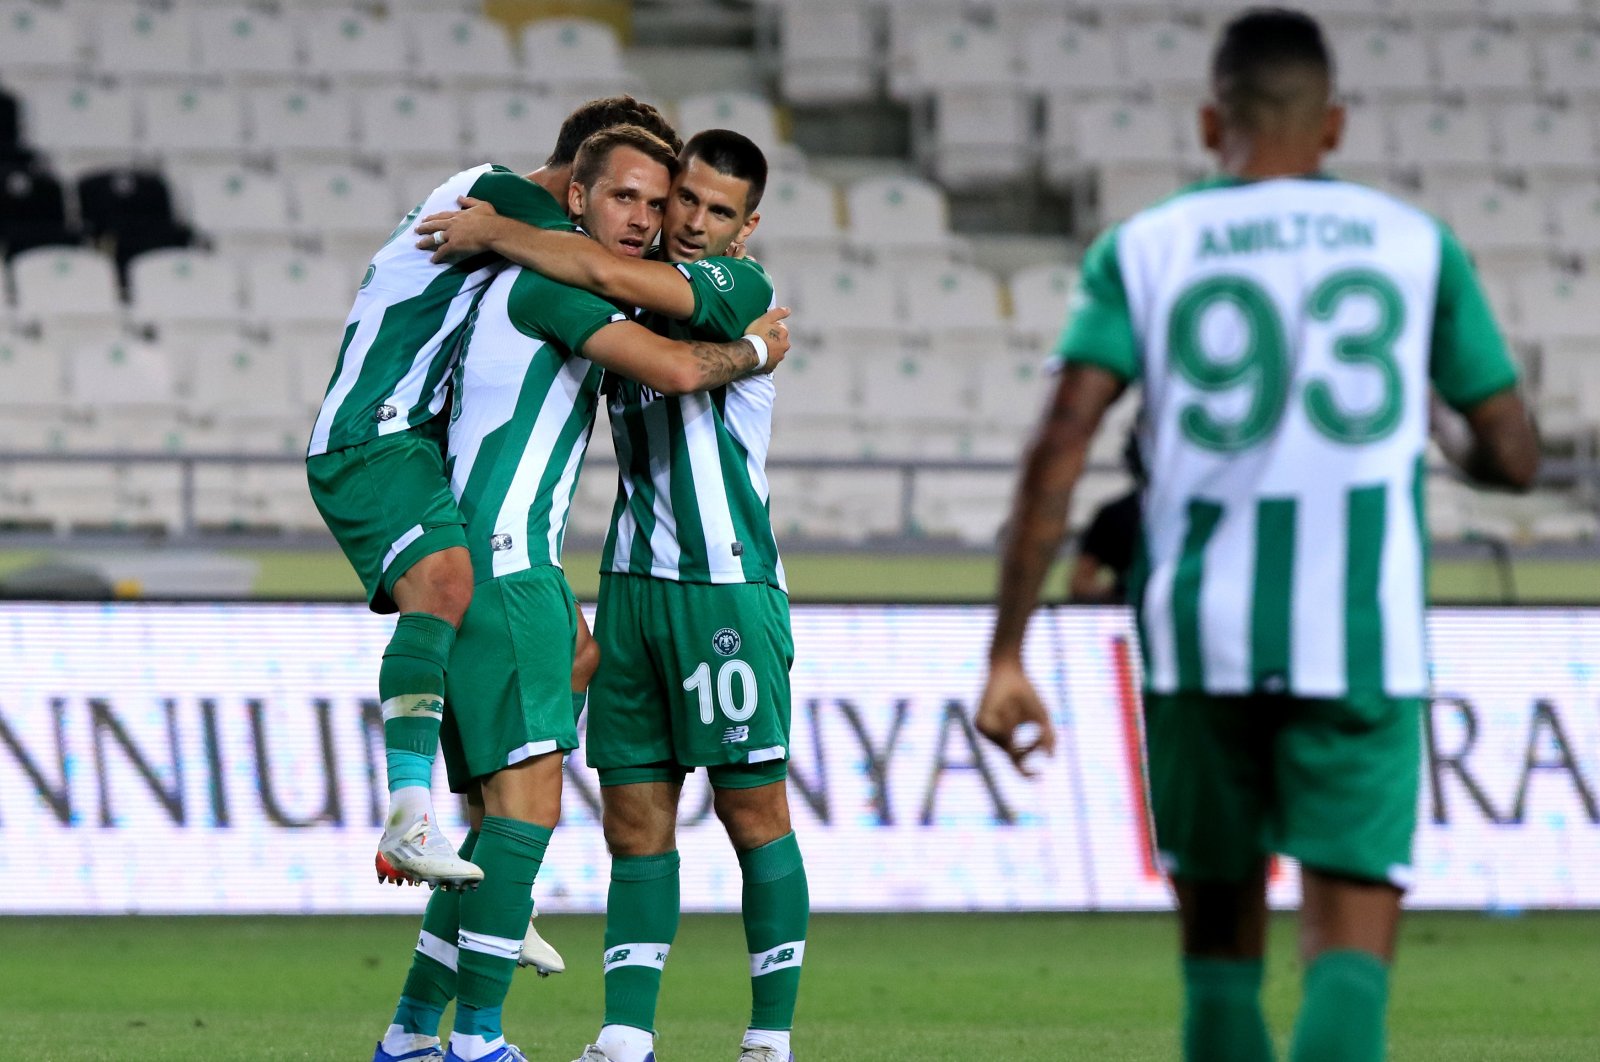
x,y
389,874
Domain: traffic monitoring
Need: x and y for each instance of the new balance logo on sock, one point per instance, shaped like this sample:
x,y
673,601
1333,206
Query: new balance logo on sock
x,y
414,705
652,955
781,957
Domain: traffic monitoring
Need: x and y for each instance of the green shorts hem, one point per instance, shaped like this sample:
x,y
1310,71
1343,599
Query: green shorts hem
x,y
433,540
722,775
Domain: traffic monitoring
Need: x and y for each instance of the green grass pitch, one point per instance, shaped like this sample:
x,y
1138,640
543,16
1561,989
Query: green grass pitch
x,y
929,988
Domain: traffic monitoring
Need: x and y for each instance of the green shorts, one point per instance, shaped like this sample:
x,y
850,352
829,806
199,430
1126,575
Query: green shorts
x,y
1332,783
691,675
388,503
508,690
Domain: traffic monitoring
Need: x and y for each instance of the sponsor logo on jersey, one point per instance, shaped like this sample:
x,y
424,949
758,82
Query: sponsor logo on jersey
x,y
385,412
735,735
500,543
721,279
726,641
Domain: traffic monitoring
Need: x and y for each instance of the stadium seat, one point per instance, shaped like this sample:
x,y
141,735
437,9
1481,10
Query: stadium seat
x,y
143,42
240,209
1012,391
981,136
1543,141
1114,134
1365,149
1039,297
33,210
411,128
847,505
799,221
69,291
122,377
515,129
354,47
82,125
183,288
1167,58
1072,59
939,55
33,383
346,211
130,212
951,300
1443,141
967,506
849,297
1577,214
917,386
299,124
462,50
575,56
898,218
1382,63
828,51
1559,305
299,298
39,42
819,391
248,44
1500,221
193,123
743,112
1569,62
247,386
1484,62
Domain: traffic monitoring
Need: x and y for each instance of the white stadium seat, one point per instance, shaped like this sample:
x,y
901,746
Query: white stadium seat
x,y
799,216
1072,59
1484,62
1365,148
948,55
82,125
354,47
848,296
1167,58
1559,305
39,41
1039,297
952,298
181,286
1382,62
296,123
967,506
193,123
1110,134
574,55
33,383
828,50
1577,213
306,294
898,216
1538,138
411,127
981,136
1570,62
741,112
516,129
1441,139
122,376
346,210
239,208
248,44
144,42
244,384
1493,219
462,50
66,288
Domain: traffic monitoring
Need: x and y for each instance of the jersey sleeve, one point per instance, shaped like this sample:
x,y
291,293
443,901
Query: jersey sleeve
x,y
1099,328
729,293
567,317
1468,360
517,197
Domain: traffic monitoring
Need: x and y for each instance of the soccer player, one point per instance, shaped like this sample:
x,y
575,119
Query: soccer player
x,y
376,472
1286,327
527,386
693,618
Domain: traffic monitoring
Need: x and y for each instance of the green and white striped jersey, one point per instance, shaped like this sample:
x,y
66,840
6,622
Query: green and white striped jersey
x,y
525,401
692,487
1286,333
393,371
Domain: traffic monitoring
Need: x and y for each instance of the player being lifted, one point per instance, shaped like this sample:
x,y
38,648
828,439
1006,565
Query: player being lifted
x,y
527,387
1286,327
376,469
693,620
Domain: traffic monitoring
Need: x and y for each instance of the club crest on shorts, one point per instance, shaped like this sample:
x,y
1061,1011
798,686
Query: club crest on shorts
x,y
500,543
726,641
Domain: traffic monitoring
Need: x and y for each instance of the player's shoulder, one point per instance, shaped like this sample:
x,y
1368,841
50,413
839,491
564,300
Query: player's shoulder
x,y
727,274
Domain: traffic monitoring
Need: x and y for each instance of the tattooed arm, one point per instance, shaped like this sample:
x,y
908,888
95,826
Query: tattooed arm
x,y
676,368
1051,466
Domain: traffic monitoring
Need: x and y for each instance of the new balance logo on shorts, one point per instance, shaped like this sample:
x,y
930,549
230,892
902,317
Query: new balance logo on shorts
x,y
735,734
500,543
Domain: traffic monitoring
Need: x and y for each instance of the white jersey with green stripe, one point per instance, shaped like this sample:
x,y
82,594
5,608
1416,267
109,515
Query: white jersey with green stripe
x,y
393,371
692,497
1286,333
524,408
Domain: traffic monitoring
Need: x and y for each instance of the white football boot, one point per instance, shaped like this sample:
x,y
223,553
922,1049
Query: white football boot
x,y
592,1053
753,1053
413,850
537,952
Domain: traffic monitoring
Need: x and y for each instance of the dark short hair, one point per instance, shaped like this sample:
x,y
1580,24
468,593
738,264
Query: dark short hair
x,y
732,155
1255,51
591,159
604,113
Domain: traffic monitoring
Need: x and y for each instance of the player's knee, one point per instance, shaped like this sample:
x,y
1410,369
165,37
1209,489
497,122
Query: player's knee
x,y
753,817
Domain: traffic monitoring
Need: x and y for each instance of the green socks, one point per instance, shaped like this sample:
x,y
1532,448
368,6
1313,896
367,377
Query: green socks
x,y
1222,1019
1342,1014
411,686
431,982
777,906
641,922
494,919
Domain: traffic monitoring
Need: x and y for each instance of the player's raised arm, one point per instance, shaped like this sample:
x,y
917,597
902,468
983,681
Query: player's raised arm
x,y
675,367
571,259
